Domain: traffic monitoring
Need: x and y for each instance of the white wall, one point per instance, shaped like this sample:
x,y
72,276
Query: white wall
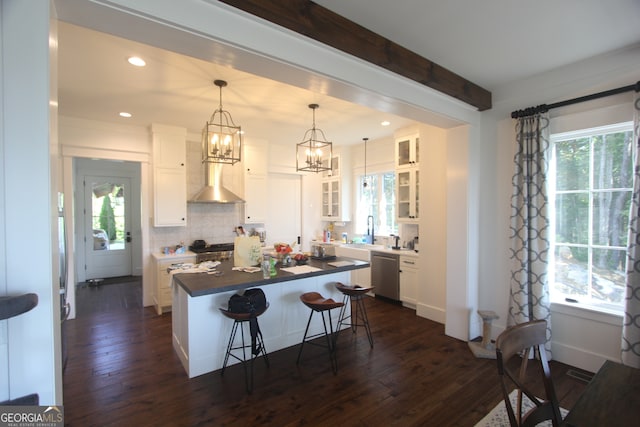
x,y
432,283
580,338
29,344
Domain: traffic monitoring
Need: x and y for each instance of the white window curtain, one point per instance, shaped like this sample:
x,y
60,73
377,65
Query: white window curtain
x,y
529,292
631,323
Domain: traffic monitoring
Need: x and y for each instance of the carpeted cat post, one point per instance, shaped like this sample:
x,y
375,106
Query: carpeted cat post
x,y
485,349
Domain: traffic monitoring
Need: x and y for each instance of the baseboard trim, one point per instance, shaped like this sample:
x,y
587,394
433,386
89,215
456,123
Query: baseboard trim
x,y
577,357
430,312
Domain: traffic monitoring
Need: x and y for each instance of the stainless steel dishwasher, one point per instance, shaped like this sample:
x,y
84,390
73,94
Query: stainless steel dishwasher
x,y
385,274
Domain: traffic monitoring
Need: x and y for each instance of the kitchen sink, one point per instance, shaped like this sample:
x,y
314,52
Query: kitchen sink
x,y
360,251
368,246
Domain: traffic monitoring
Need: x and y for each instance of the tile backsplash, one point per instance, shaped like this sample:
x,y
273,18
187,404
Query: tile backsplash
x,y
211,222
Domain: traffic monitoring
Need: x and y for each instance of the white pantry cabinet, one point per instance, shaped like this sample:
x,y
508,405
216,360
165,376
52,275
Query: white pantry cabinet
x,y
169,176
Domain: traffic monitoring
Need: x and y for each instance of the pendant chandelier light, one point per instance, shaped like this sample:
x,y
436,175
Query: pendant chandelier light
x,y
314,153
221,138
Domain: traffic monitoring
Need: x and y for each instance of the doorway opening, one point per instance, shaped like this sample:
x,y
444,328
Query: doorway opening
x,y
107,222
107,237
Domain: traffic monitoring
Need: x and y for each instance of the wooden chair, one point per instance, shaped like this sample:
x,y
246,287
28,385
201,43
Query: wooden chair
x,y
519,341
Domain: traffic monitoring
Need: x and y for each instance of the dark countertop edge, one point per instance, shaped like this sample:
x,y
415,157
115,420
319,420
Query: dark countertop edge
x,y
183,280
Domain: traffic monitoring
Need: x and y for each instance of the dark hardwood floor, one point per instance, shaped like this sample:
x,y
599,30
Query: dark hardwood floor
x,y
114,294
122,371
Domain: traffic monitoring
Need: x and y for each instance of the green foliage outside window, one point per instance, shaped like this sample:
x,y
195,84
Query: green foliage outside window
x,y
377,198
107,220
593,185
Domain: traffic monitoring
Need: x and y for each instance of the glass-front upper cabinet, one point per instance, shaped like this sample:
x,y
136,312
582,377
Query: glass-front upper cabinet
x,y
408,151
331,201
335,167
407,195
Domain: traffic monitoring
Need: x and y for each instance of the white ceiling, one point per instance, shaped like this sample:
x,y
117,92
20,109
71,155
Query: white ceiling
x,y
482,41
494,42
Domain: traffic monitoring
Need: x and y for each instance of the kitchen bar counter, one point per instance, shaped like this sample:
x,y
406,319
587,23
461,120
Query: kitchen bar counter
x,y
201,332
199,284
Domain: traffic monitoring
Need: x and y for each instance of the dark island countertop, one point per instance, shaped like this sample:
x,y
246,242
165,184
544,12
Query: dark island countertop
x,y
202,283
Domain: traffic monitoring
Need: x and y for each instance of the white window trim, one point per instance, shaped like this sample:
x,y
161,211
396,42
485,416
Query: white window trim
x,y
358,177
559,302
588,311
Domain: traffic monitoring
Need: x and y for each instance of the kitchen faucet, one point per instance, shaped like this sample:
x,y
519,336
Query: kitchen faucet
x,y
397,237
370,228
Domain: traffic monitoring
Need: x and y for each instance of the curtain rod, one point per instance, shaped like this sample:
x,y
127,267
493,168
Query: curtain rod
x,y
543,108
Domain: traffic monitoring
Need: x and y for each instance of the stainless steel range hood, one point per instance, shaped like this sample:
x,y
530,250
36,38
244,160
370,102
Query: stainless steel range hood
x,y
214,191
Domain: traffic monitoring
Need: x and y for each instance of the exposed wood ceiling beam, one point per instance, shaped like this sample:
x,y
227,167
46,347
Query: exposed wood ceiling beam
x,y
321,24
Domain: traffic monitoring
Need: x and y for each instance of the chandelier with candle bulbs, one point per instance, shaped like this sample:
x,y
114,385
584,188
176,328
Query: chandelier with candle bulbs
x,y
314,153
221,138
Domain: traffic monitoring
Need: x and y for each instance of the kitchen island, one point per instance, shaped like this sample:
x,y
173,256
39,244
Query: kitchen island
x,y
201,331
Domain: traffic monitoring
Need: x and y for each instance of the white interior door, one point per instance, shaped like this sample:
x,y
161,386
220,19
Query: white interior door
x,y
284,216
107,226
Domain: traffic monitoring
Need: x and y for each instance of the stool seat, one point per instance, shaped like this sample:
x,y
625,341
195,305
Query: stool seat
x,y
243,316
352,291
317,302
354,294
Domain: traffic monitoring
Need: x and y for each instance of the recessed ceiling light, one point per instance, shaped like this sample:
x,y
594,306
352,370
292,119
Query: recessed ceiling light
x,y
137,61
385,123
125,114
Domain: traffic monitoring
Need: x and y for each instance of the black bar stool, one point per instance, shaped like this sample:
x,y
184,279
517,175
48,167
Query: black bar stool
x,y
317,303
354,294
255,344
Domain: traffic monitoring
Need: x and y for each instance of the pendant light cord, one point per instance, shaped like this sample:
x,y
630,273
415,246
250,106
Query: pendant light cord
x,y
365,162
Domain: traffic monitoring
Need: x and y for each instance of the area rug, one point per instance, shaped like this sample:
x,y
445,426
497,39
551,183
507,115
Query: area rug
x,y
498,416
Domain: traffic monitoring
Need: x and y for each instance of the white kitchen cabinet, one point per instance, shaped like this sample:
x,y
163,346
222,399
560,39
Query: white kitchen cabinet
x,y
335,200
335,168
408,178
336,193
255,157
361,277
409,280
169,176
255,196
408,151
254,160
407,195
162,295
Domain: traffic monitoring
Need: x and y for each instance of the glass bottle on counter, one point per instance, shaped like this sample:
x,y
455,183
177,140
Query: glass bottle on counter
x,y
266,267
272,264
